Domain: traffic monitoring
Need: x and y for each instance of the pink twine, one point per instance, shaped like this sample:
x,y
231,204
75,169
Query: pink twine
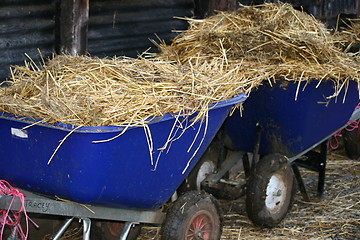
x,y
351,127
11,217
335,137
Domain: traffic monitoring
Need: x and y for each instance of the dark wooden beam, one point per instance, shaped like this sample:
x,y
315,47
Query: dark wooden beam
x,y
73,26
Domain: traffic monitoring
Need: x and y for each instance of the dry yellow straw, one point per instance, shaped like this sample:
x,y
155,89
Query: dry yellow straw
x,y
124,92
214,60
265,41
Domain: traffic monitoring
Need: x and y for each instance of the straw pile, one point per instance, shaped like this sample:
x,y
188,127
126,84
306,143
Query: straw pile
x,y
349,36
354,30
214,60
266,41
120,91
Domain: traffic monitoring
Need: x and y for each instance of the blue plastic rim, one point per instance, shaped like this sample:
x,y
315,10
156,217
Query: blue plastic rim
x,y
130,171
290,126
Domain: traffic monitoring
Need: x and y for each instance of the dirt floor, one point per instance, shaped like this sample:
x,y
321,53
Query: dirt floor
x,y
336,216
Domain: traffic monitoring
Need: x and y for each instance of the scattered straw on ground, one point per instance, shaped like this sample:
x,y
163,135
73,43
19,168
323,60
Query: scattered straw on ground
x,y
337,216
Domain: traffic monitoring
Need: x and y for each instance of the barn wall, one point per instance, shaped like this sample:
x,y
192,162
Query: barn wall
x,y
124,27
25,26
328,10
116,27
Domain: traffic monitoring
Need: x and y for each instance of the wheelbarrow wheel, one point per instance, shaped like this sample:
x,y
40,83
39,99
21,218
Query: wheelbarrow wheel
x,y
193,215
205,166
351,141
197,175
270,190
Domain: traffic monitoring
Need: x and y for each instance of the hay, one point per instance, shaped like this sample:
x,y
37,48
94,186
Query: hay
x,y
270,40
214,60
354,30
349,36
88,91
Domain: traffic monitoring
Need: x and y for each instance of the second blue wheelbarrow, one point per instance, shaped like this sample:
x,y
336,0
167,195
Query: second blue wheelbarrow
x,y
282,126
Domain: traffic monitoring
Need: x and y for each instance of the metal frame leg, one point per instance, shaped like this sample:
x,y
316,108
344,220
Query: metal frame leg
x,y
86,228
126,230
246,164
256,156
13,233
315,161
223,150
322,168
63,228
300,182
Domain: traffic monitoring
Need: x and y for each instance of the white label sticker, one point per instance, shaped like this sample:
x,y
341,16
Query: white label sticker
x,y
19,133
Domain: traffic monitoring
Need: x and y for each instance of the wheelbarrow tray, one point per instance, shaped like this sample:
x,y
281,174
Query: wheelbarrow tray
x,y
290,126
124,172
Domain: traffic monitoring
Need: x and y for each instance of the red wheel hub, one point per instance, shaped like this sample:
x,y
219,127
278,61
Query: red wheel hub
x,y
200,228
115,228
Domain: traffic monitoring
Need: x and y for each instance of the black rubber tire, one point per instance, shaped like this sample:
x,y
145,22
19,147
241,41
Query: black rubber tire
x,y
186,210
268,211
351,141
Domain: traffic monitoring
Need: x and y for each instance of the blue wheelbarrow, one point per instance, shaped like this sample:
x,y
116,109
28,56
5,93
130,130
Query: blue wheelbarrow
x,y
105,173
279,129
